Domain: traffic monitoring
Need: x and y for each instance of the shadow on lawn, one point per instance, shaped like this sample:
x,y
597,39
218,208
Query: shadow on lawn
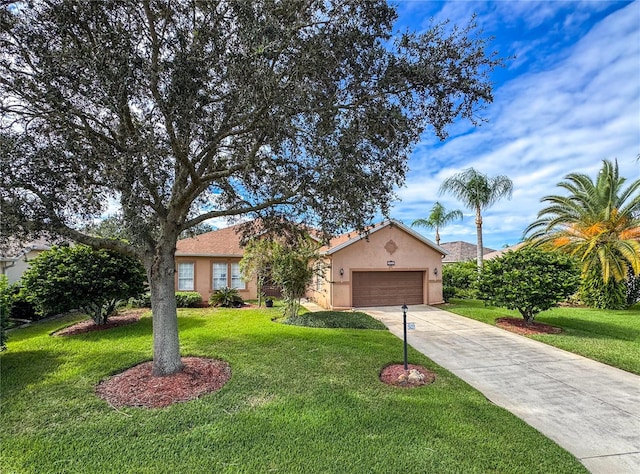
x,y
595,329
23,368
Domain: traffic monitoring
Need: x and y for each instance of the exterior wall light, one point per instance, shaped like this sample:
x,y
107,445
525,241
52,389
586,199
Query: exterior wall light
x,y
342,272
435,271
391,263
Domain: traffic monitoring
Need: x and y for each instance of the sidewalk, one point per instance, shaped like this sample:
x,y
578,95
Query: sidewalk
x,y
589,408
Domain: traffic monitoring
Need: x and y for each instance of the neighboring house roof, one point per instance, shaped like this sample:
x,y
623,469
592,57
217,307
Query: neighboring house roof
x,y
217,243
15,249
499,253
460,251
338,243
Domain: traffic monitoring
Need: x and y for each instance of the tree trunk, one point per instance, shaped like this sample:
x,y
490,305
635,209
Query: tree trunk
x,y
480,251
166,343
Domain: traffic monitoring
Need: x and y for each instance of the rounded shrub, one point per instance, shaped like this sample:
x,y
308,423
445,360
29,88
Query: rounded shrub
x,y
188,299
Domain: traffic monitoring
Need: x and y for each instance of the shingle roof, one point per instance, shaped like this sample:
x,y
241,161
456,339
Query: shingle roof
x,y
461,251
221,242
499,253
226,242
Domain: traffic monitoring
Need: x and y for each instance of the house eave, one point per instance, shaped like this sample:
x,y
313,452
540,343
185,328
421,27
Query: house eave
x,y
383,225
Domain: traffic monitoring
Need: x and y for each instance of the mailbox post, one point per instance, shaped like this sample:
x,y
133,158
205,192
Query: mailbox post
x,y
404,324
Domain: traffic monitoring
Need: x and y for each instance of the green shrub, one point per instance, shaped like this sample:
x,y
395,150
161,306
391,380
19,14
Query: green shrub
x,y
462,277
184,299
141,301
227,298
633,288
21,307
79,277
595,293
188,299
448,292
529,280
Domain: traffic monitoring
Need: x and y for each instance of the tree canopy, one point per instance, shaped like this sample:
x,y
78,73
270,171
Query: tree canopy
x,y
185,111
438,217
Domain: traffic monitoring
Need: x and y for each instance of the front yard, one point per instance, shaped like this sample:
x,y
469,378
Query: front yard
x,y
300,400
611,337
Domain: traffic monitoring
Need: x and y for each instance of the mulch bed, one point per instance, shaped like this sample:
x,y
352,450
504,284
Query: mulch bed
x,y
137,387
520,326
391,375
128,317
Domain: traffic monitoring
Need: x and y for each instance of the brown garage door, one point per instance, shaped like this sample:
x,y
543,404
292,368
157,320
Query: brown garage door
x,y
387,288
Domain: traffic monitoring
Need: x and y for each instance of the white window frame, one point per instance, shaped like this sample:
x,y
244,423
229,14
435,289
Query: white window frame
x,y
237,281
186,276
218,278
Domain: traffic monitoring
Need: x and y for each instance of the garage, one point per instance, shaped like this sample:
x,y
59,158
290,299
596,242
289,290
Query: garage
x,y
388,288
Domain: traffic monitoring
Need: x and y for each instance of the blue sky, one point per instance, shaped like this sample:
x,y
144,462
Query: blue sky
x,y
569,99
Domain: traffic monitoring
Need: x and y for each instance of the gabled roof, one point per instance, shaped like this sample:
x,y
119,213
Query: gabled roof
x,y
217,243
501,252
460,251
340,242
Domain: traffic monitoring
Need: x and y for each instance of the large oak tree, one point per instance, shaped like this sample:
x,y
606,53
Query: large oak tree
x,y
183,111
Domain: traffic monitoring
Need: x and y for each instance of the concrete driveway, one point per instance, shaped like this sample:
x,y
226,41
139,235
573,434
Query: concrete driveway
x,y
590,409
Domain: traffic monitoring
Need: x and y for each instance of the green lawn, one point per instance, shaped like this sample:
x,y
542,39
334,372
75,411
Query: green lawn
x,y
300,400
612,337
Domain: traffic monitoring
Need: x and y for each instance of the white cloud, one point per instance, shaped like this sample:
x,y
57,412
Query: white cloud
x,y
565,116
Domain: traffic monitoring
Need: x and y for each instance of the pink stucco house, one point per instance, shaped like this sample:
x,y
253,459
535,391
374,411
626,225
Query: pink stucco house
x,y
391,265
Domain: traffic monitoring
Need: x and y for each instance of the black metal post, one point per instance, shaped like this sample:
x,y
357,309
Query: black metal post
x,y
404,323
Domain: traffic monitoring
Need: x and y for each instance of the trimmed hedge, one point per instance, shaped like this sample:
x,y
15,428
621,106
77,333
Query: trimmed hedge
x,y
184,299
188,299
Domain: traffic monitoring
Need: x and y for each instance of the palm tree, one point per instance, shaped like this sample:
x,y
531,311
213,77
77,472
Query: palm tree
x,y
477,191
438,217
599,223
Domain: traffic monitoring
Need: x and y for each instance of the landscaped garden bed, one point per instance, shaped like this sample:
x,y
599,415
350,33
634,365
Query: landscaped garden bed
x,y
520,326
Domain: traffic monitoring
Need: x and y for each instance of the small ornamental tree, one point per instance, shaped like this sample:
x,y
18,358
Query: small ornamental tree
x,y
256,262
93,281
293,267
529,280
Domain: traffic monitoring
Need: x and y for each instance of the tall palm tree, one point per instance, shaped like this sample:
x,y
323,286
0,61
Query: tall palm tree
x,y
597,222
438,217
477,191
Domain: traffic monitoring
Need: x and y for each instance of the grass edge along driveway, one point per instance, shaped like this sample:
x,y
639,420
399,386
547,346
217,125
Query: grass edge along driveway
x,y
608,336
299,400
